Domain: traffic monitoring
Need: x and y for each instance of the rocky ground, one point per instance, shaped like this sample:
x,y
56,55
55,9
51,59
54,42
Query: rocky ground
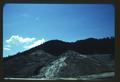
x,y
70,65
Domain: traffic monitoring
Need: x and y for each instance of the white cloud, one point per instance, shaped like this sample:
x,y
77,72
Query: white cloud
x,y
7,49
35,43
16,38
18,43
8,46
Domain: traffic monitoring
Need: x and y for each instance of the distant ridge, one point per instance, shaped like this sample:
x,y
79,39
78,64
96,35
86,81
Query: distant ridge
x,y
87,46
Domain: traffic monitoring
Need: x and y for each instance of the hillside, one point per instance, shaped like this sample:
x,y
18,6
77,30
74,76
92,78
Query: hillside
x,y
72,65
99,55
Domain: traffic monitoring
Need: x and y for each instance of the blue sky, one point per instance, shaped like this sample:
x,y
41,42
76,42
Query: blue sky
x,y
29,25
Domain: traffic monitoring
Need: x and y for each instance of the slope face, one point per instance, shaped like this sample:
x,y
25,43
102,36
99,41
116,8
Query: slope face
x,y
26,65
71,65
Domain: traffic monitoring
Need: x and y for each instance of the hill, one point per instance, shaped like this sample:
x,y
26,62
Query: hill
x,y
30,62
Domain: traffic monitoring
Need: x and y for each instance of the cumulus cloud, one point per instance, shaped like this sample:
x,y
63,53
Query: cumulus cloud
x,y
18,43
16,38
35,43
7,49
8,46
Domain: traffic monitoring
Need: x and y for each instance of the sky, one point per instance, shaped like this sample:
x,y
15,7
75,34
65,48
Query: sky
x,y
28,25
